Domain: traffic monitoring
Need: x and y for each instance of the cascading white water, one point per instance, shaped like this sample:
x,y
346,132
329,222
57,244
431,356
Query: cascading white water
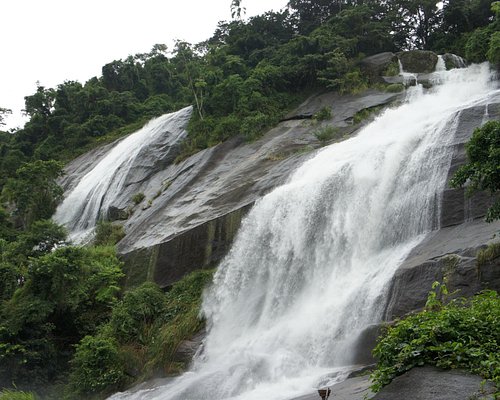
x,y
311,264
440,65
97,190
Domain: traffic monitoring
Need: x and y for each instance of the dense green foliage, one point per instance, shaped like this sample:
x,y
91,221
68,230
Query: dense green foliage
x,y
482,172
15,395
141,337
242,79
34,191
48,305
462,334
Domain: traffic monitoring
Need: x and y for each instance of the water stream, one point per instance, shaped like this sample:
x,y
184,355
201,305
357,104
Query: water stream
x,y
96,191
310,267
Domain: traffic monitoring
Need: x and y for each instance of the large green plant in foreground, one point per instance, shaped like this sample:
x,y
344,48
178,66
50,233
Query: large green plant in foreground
x,y
62,296
462,334
141,337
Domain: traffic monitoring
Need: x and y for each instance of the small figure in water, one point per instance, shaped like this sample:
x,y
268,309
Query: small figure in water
x,y
324,393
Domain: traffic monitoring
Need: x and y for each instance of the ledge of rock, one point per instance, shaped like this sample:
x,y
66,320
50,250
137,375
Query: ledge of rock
x,y
427,383
423,383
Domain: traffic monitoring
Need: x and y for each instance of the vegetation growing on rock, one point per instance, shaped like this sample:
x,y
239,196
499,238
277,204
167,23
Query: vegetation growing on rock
x,y
141,337
464,333
482,172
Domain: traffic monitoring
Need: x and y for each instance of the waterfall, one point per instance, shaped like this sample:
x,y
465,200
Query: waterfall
x,y
440,65
310,267
122,166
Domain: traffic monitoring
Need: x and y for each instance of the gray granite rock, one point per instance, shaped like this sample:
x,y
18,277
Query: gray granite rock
x,y
428,383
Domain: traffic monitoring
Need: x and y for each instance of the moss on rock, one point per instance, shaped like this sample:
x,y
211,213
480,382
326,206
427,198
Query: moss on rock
x,y
418,61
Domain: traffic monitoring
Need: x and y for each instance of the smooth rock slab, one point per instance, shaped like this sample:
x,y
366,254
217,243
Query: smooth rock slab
x,y
429,383
351,389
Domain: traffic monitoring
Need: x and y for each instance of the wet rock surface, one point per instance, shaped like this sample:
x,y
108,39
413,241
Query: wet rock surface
x,y
351,389
424,383
191,210
427,383
448,254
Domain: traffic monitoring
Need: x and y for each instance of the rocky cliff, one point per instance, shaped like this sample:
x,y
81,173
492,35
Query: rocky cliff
x,y
191,211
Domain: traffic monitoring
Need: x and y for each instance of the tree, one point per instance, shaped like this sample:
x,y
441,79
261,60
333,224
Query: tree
x,y
482,172
413,22
64,296
237,9
35,191
3,113
310,14
41,103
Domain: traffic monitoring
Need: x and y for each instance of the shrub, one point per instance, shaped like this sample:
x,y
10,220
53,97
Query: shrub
x,y
395,88
353,82
180,320
138,197
253,126
144,331
392,69
493,53
108,234
462,334
131,318
477,45
97,365
326,133
7,394
481,171
323,114
365,113
489,253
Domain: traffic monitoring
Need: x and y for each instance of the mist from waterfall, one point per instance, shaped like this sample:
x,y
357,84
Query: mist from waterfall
x,y
310,267
92,197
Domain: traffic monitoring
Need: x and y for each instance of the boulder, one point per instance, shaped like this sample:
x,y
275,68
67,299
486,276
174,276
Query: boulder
x,y
418,61
188,348
447,255
453,61
377,65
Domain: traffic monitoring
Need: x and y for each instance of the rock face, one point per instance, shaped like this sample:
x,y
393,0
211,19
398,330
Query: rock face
x,y
432,383
425,383
191,210
351,389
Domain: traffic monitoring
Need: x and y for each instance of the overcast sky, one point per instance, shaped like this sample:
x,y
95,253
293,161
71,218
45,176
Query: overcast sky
x,y
51,41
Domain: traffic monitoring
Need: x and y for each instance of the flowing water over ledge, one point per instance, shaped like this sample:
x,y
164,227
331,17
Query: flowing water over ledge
x,y
311,263
91,198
